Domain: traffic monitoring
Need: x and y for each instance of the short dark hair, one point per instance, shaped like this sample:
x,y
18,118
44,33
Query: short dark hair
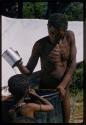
x,y
58,20
18,85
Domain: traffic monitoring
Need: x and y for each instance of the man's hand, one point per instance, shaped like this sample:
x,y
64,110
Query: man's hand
x,y
20,63
61,91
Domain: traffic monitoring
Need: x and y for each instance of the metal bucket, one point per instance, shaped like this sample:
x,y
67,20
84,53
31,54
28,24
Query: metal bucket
x,y
12,57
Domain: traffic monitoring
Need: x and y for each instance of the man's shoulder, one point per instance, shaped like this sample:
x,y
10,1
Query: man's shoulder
x,y
70,36
43,39
70,33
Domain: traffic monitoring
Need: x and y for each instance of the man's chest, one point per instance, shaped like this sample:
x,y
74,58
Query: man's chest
x,y
56,53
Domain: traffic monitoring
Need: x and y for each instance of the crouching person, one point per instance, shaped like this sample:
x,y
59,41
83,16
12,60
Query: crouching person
x,y
27,101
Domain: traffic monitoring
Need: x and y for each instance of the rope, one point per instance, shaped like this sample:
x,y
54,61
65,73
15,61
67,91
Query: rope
x,y
50,95
53,92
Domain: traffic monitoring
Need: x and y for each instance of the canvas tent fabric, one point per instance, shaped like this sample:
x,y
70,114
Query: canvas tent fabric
x,y
21,34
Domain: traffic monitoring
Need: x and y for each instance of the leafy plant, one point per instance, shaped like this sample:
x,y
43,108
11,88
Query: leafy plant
x,y
77,81
75,11
34,9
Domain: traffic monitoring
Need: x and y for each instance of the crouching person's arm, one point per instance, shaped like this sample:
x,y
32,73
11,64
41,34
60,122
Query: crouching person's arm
x,y
44,105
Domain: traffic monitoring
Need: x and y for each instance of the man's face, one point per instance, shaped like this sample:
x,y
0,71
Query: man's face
x,y
55,34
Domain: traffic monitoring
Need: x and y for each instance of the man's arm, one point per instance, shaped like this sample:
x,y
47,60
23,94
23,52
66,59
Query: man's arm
x,y
71,69
28,69
23,69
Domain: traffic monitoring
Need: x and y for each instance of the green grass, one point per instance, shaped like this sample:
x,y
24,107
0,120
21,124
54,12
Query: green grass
x,y
76,107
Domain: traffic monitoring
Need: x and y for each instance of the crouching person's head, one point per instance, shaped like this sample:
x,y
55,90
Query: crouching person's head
x,y
18,85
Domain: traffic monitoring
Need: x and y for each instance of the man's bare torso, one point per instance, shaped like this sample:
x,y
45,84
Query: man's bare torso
x,y
54,59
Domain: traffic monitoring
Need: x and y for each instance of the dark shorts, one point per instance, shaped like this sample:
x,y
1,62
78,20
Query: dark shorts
x,y
35,81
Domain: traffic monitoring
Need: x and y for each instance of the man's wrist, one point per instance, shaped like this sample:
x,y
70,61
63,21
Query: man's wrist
x,y
63,85
20,64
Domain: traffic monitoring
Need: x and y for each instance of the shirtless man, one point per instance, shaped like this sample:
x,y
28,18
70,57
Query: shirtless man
x,y
57,53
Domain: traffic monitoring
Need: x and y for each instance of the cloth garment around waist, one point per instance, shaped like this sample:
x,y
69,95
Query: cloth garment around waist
x,y
35,80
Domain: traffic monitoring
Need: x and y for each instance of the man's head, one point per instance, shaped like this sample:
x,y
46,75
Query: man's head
x,y
18,86
57,26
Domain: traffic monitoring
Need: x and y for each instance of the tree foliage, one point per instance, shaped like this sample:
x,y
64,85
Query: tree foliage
x,y
77,80
34,9
75,11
